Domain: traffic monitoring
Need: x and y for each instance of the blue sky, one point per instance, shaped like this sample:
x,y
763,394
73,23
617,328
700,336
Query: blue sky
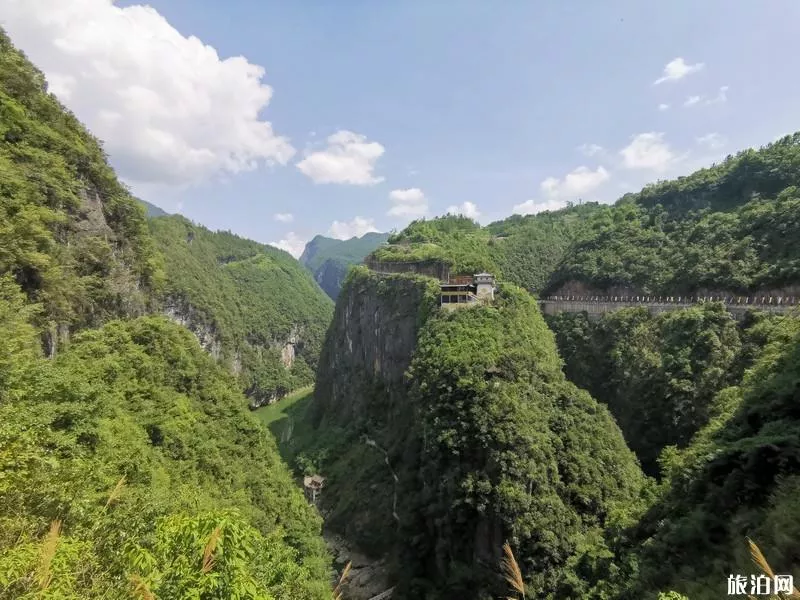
x,y
509,107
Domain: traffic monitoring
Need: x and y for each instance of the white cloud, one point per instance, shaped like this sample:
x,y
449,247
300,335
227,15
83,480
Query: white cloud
x,y
349,158
580,181
532,207
283,217
291,244
410,202
647,151
558,192
712,141
590,149
721,97
342,230
169,109
677,69
663,106
468,209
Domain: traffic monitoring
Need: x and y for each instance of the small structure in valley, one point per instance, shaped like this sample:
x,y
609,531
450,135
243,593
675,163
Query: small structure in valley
x,y
461,290
312,485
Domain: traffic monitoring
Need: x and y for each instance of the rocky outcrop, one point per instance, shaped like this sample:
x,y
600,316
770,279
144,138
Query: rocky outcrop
x,y
370,343
185,315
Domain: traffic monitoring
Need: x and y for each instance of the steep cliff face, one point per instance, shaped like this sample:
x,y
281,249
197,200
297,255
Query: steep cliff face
x,y
444,433
360,402
370,344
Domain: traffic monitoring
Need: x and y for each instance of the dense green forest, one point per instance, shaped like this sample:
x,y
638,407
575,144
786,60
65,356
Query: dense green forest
x,y
130,466
329,259
730,228
254,302
628,457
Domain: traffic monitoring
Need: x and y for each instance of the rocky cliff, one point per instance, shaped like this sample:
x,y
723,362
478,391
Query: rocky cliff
x,y
442,434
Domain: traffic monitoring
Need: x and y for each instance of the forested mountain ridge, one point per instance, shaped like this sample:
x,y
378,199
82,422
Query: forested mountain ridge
x,y
329,258
71,235
129,464
252,306
729,229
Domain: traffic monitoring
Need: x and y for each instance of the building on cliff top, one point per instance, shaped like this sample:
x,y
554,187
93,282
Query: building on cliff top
x,y
463,290
312,485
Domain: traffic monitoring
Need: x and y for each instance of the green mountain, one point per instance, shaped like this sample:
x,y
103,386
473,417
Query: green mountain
x,y
329,258
130,466
729,229
152,210
440,414
251,305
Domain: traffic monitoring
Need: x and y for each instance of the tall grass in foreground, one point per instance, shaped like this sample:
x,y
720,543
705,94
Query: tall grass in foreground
x,y
512,573
761,562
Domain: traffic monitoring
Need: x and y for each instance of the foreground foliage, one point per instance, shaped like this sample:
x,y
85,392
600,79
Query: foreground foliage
x,y
140,409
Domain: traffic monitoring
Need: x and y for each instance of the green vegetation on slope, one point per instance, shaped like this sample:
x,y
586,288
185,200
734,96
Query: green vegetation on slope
x,y
140,400
508,449
70,234
129,466
528,249
486,439
524,250
329,259
455,240
151,210
737,478
731,228
657,374
249,298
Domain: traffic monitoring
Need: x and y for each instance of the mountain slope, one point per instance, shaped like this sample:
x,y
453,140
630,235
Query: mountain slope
x,y
71,235
329,258
727,230
130,450
152,210
251,305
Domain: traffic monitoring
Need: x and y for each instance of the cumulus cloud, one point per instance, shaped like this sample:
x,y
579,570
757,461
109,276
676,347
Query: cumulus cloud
x,y
580,181
532,207
712,141
677,69
344,230
468,209
590,149
349,158
558,192
292,244
410,202
283,217
647,151
663,106
692,100
169,109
